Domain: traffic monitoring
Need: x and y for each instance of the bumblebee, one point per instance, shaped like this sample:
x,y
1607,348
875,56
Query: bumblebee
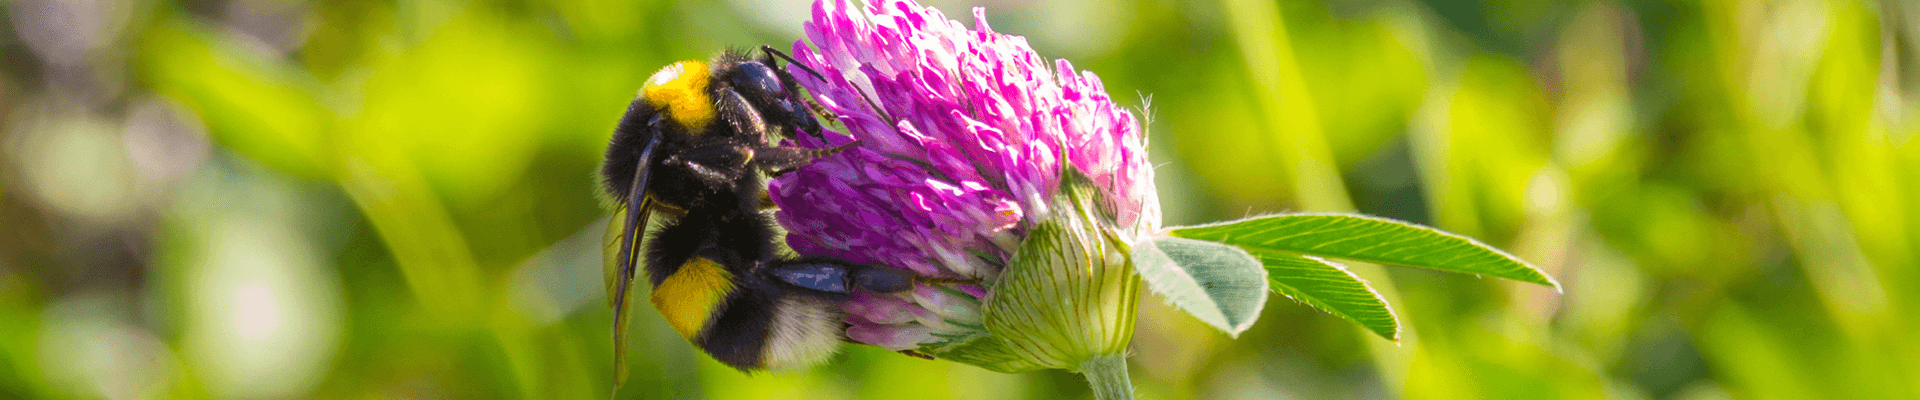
x,y
696,147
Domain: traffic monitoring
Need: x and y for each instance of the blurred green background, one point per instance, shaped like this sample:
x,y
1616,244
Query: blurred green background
x,y
395,199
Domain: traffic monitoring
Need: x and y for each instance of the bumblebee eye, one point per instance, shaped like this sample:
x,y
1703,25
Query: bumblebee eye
x,y
756,80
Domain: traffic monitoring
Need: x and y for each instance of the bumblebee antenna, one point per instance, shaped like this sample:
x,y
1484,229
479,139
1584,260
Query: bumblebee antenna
x,y
790,61
864,96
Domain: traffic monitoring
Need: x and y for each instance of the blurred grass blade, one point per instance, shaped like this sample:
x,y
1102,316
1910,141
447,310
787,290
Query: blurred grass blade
x,y
261,107
1219,284
433,255
1371,239
1328,286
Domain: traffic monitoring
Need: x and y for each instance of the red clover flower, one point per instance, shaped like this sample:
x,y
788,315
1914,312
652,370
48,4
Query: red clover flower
x,y
971,145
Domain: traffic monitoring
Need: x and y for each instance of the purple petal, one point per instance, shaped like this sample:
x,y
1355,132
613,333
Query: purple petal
x,y
891,337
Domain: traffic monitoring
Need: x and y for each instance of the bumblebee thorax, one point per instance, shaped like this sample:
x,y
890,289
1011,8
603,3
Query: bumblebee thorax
x,y
681,90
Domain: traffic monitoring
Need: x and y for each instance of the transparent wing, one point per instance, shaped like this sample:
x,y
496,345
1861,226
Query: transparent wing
x,y
625,256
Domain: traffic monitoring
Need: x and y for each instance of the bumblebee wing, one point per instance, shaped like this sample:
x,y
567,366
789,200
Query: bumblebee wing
x,y
620,269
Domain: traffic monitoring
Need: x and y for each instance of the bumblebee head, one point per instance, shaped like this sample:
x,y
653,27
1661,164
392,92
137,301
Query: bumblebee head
x,y
772,92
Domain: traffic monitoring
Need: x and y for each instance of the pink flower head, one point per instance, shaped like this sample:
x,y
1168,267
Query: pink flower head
x,y
963,133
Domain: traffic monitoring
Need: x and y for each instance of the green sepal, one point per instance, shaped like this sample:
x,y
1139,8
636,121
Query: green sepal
x,y
985,351
1069,293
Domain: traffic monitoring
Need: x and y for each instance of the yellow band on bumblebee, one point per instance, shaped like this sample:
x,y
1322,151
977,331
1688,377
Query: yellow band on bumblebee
x,y
688,296
681,90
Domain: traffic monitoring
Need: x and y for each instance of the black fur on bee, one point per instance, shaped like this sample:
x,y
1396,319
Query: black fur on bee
x,y
699,143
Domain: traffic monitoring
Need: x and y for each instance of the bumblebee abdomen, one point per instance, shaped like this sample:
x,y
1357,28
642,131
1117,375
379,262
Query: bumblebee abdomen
x,y
772,330
746,328
806,331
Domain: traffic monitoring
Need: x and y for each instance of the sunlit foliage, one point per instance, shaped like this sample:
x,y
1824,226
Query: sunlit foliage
x,y
307,199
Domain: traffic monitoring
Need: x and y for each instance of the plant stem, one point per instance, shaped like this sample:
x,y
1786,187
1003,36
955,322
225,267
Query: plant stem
x,y
1107,373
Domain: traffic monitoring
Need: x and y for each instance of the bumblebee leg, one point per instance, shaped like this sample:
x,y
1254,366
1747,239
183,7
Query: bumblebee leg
x,y
884,279
822,111
916,354
818,275
715,178
766,202
837,278
741,115
778,161
959,281
719,166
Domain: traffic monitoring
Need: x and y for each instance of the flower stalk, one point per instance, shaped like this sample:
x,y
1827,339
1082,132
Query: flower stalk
x,y
1107,374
